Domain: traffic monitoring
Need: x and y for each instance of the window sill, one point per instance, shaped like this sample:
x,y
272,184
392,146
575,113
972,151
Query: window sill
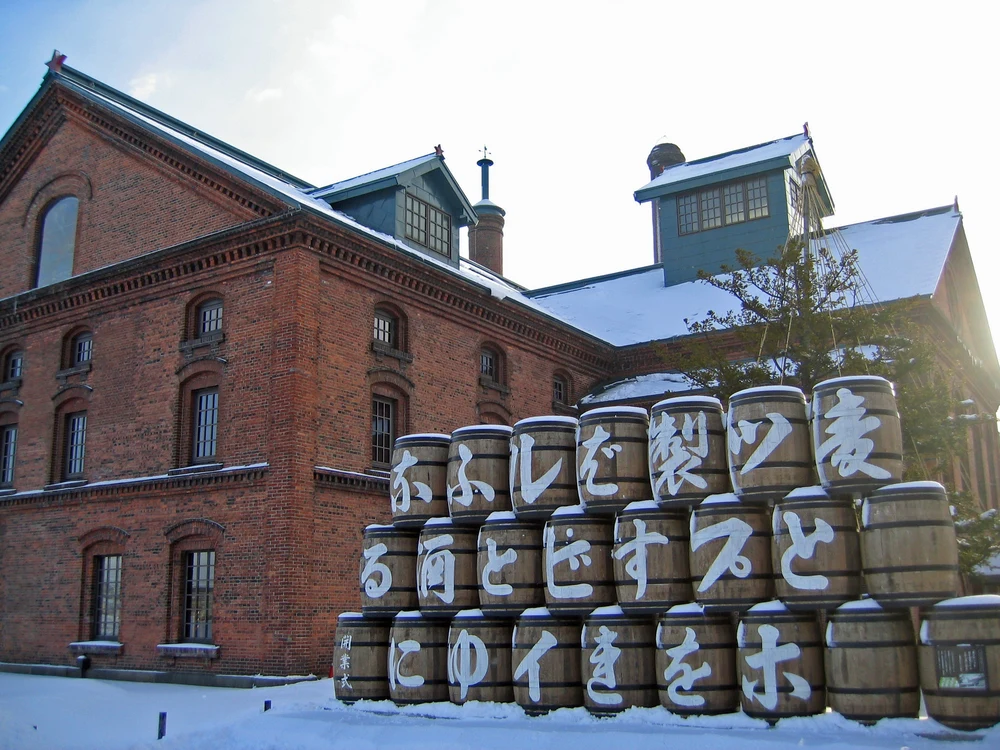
x,y
564,409
209,339
194,469
96,647
487,382
11,385
188,650
68,484
4,491
383,349
75,370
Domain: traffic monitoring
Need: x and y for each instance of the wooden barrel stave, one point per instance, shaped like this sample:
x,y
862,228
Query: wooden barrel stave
x,y
571,535
429,661
556,682
487,682
418,487
446,586
359,658
630,679
651,577
397,562
478,473
523,575
537,446
612,458
701,463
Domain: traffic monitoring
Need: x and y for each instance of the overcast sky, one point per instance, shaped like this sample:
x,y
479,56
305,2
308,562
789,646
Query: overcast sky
x,y
569,98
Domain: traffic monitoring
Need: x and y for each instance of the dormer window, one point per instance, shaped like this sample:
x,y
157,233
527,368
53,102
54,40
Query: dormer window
x,y
732,203
428,226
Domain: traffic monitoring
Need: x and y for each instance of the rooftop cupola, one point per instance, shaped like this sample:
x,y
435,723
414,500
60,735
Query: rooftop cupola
x,y
486,237
663,155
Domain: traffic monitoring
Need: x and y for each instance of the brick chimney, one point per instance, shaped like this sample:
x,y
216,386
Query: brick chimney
x,y
662,156
486,237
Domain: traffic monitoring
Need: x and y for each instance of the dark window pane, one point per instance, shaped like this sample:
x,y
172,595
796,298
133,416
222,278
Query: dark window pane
x,y
107,597
206,423
383,429
83,349
13,366
559,391
58,241
210,316
8,453
385,328
488,364
76,438
199,581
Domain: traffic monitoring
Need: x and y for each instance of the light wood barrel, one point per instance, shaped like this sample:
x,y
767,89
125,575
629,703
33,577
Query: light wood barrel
x,y
509,564
446,569
909,553
576,563
388,571
651,558
616,662
479,649
871,663
959,660
857,434
815,550
730,554
546,662
769,448
793,640
359,658
543,466
612,461
687,451
478,473
418,659
418,484
696,662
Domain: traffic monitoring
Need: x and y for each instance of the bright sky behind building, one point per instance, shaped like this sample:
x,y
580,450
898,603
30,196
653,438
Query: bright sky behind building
x,y
568,96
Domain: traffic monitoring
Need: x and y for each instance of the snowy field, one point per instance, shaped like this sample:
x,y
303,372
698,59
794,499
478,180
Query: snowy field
x,y
58,713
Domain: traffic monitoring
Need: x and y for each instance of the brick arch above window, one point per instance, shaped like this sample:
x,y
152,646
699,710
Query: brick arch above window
x,y
77,347
205,528
389,417
493,412
198,439
562,381
204,316
75,183
69,442
11,363
390,378
103,534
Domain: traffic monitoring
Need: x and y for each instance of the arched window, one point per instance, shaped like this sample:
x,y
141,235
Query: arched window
x,y
193,549
389,331
388,418
492,366
82,349
560,389
209,317
57,241
200,427
8,447
13,366
70,439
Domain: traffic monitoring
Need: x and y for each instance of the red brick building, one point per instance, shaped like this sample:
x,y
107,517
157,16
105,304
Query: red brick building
x,y
205,361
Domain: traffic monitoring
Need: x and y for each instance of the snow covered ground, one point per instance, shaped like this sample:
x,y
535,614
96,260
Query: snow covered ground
x,y
58,713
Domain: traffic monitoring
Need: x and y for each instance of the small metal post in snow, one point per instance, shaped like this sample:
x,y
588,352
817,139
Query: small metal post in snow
x,y
267,705
161,731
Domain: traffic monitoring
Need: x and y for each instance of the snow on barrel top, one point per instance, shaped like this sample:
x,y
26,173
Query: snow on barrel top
x,y
708,401
979,600
569,421
688,608
424,436
569,510
806,492
638,505
764,390
442,521
378,526
499,429
498,516
612,410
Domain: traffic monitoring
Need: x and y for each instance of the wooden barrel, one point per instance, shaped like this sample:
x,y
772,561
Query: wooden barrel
x,y
616,662
730,554
780,663
446,569
871,663
576,563
388,570
418,659
478,473
696,661
509,564
418,483
770,453
543,466
359,658
612,461
479,658
909,553
546,662
815,550
687,451
651,558
959,660
856,434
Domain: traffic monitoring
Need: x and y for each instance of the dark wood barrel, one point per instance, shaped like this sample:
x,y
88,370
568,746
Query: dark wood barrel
x,y
769,448
359,658
478,473
479,649
418,480
388,570
687,451
730,554
959,660
543,466
612,461
696,661
871,663
651,558
856,434
446,569
545,661
576,562
909,552
509,564
815,550
418,659
616,662
771,634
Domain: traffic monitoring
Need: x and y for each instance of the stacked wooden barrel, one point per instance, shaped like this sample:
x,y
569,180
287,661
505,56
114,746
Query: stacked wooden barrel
x,y
607,563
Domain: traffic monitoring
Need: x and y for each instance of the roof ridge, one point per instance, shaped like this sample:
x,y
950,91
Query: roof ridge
x,y
87,82
369,172
907,216
743,150
579,283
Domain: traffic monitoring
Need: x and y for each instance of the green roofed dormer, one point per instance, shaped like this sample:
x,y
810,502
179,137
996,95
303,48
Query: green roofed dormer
x,y
704,210
417,202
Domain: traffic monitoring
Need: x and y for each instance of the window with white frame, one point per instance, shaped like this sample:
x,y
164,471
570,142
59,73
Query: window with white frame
x,y
427,225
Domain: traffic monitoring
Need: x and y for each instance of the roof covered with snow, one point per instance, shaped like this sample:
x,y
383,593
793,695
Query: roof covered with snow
x,y
780,153
386,175
901,257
